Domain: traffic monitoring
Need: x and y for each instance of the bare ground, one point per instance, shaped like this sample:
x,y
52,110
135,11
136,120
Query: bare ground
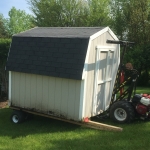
x,y
3,103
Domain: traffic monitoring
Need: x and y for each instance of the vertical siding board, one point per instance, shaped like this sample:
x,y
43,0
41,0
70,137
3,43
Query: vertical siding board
x,y
33,91
12,87
90,79
51,93
39,92
17,88
71,99
64,102
27,90
22,89
77,98
58,93
45,92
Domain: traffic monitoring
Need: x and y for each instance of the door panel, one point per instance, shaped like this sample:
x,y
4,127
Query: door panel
x,y
103,79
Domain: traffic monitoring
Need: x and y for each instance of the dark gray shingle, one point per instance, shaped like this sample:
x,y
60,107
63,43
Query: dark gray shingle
x,y
67,32
58,52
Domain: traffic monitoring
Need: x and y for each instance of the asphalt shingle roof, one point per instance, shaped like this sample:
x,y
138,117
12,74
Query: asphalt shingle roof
x,y
58,52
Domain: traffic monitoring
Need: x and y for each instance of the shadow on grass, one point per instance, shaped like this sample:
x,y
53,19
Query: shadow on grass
x,y
53,134
34,126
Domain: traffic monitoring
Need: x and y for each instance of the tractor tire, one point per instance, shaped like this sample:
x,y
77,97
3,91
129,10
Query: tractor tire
x,y
17,116
122,112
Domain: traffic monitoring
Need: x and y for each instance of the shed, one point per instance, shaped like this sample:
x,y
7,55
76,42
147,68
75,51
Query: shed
x,y
67,72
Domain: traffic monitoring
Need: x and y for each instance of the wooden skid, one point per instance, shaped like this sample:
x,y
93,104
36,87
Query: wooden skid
x,y
89,124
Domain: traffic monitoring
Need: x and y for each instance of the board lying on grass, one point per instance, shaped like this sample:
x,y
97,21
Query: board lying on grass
x,y
88,123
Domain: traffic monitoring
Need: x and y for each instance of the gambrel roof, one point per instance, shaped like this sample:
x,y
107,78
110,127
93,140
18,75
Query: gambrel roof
x,y
56,51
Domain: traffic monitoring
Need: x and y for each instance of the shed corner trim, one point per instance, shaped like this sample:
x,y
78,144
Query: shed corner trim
x,y
10,85
82,100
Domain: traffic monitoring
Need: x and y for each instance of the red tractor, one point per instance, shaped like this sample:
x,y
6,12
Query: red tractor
x,y
126,107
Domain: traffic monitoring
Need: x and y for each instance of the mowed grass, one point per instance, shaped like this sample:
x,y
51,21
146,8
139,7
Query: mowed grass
x,y
48,134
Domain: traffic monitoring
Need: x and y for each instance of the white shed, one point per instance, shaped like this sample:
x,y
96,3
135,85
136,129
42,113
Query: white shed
x,y
66,72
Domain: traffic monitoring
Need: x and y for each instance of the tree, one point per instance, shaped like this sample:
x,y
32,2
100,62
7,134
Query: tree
x,y
73,12
59,12
4,48
134,25
19,21
118,18
98,13
3,32
70,12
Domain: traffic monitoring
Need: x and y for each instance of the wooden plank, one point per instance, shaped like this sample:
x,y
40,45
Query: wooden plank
x,y
90,124
104,126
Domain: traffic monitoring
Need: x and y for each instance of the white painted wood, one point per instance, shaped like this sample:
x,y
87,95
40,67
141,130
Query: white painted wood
x,y
95,84
71,98
94,36
10,86
33,91
57,96
51,93
45,100
64,101
105,81
82,99
77,98
39,92
17,89
105,47
27,90
86,62
22,86
107,29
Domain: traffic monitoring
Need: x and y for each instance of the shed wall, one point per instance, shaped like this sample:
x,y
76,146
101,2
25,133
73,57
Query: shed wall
x,y
89,86
50,95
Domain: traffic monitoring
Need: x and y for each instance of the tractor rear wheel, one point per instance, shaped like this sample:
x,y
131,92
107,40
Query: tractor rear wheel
x,y
122,112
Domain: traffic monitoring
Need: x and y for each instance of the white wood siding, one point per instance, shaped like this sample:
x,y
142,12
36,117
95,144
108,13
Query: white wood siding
x,y
45,94
89,89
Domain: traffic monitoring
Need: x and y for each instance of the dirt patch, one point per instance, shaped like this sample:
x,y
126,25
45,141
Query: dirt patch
x,y
3,104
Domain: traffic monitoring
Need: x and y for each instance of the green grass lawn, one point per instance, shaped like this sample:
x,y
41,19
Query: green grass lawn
x,y
48,134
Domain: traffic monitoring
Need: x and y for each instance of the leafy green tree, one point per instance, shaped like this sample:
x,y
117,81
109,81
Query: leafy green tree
x,y
4,48
59,12
74,12
98,13
70,12
18,21
134,25
118,18
3,32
